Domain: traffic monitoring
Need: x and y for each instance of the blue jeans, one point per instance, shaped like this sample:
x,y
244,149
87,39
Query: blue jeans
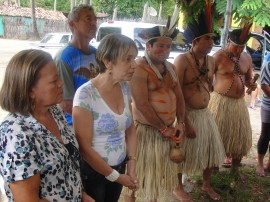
x,y
98,187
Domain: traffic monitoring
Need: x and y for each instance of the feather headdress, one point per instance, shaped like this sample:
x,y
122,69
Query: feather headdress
x,y
242,35
168,31
202,26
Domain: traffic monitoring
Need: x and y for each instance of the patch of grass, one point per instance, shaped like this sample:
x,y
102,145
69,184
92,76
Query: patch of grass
x,y
244,187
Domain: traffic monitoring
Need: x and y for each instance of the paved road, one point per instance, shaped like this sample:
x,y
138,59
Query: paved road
x,y
10,47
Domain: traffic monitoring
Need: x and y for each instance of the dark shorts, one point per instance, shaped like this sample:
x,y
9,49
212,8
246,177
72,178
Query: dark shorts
x,y
98,187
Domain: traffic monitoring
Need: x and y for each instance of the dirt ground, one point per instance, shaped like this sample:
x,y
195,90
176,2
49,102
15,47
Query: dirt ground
x,y
9,47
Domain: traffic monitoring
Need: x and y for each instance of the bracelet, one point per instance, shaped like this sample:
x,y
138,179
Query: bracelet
x,y
113,176
132,158
163,130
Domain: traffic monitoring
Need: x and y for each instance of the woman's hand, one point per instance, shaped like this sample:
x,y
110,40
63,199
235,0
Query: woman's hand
x,y
86,197
134,179
128,181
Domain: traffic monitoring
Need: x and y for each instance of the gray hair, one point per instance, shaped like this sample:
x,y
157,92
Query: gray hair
x,y
74,14
113,47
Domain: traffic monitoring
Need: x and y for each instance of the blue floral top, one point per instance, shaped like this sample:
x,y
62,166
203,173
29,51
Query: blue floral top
x,y
109,128
27,147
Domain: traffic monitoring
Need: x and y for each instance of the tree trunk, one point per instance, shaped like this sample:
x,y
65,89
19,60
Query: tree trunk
x,y
160,12
114,17
54,5
224,34
87,2
72,4
145,16
35,34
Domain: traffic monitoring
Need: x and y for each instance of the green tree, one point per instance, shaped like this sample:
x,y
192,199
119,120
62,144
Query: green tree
x,y
35,34
257,10
130,8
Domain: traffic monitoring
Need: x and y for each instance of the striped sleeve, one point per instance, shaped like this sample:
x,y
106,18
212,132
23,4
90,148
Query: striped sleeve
x,y
265,74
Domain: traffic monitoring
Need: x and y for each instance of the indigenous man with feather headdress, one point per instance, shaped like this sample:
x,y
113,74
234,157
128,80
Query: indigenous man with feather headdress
x,y
195,69
233,71
157,101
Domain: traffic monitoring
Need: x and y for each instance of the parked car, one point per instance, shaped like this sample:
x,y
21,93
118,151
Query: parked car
x,y
257,53
131,30
52,42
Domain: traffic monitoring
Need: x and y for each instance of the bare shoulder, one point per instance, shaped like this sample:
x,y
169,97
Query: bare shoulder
x,y
246,56
181,61
141,69
218,55
140,61
211,60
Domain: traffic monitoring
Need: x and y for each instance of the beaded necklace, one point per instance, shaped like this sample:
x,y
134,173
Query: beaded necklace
x,y
203,72
167,67
236,72
203,69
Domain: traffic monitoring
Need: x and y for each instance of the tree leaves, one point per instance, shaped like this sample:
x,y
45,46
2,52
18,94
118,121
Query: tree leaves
x,y
258,10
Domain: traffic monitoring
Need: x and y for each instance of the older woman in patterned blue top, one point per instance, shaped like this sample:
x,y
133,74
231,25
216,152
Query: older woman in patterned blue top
x,y
39,158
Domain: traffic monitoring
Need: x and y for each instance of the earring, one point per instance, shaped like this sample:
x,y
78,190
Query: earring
x,y
110,71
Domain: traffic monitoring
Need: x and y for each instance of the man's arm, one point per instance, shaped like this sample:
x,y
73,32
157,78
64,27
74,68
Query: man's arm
x,y
265,79
66,74
248,75
212,70
180,72
181,64
180,109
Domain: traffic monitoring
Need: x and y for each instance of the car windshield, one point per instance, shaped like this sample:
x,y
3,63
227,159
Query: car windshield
x,y
103,31
55,38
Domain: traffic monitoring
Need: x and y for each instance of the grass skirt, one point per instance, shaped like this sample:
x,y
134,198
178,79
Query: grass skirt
x,y
157,174
232,118
206,150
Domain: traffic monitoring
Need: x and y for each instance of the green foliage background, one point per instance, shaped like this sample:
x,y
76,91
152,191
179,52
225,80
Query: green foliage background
x,y
258,10
126,9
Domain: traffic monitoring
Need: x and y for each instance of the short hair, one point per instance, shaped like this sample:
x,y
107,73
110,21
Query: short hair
x,y
21,75
152,41
76,11
113,47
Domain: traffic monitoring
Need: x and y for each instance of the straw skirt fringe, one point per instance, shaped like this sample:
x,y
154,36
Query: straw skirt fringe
x,y
157,174
232,118
206,150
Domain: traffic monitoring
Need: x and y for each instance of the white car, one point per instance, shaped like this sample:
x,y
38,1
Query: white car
x,y
52,42
131,30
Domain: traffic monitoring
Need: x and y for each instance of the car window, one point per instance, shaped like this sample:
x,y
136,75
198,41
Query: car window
x,y
50,38
103,31
253,44
64,39
140,43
